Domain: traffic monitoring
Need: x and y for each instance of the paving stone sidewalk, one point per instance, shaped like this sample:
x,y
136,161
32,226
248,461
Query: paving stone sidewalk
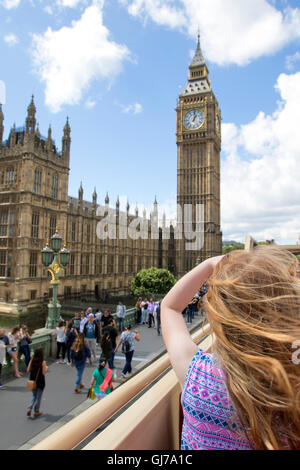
x,y
59,402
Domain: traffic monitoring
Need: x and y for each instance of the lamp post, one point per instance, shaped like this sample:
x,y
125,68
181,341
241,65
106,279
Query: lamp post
x,y
54,258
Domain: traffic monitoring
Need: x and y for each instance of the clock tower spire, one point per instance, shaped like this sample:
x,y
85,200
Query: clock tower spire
x,y
198,171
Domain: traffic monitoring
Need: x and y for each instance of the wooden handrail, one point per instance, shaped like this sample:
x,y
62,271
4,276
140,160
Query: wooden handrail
x,y
78,429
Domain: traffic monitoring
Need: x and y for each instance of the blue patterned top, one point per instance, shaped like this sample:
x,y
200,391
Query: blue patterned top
x,y
210,421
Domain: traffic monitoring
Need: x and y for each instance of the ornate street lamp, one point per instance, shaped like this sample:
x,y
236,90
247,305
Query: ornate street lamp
x,y
54,259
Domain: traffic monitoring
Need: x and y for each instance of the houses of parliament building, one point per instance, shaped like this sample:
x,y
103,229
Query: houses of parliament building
x,y
34,202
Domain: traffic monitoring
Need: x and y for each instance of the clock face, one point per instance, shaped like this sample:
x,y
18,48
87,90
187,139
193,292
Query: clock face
x,y
194,119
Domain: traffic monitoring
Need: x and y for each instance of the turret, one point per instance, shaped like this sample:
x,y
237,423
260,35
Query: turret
x,y
12,137
66,142
94,196
118,204
49,139
80,192
30,119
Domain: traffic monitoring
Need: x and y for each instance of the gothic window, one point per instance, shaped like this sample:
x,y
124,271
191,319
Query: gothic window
x,y
33,264
3,222
9,264
88,233
2,263
98,264
72,264
35,225
54,189
10,175
73,232
52,227
11,222
37,181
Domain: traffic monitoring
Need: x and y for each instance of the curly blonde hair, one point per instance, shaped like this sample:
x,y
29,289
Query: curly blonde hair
x,y
253,307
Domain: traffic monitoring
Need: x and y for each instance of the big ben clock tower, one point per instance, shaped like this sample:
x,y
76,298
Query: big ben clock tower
x,y
198,167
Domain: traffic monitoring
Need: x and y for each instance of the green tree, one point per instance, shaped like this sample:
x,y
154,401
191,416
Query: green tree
x,y
152,281
236,246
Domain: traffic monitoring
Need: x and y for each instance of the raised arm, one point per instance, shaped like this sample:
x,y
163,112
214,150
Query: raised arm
x,y
179,343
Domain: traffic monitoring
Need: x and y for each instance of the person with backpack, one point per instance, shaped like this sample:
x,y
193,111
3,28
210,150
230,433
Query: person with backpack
x,y
102,379
79,353
127,340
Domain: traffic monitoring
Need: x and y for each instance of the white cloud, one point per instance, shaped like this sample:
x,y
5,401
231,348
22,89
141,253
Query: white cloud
x,y
2,92
135,108
70,58
11,39
70,3
9,4
90,103
260,190
291,60
233,31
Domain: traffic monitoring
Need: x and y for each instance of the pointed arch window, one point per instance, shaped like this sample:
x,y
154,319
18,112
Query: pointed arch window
x,y
37,181
10,175
54,189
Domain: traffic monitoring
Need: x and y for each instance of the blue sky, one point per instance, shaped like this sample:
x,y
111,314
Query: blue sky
x,y
116,68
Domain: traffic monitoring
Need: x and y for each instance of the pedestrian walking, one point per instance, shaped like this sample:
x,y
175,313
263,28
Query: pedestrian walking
x,y
37,368
106,318
144,306
79,354
91,333
83,321
121,313
102,379
76,322
151,307
127,340
61,342
89,311
4,344
106,346
251,377
13,337
157,314
138,311
71,334
113,333
25,341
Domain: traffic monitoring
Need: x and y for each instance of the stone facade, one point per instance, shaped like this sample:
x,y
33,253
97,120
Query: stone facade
x,y
34,202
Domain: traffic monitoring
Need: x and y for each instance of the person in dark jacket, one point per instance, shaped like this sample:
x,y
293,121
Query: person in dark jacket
x,y
37,368
106,346
113,333
71,334
79,353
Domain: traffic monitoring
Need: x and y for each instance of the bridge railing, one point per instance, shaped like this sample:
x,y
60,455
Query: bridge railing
x,y
150,422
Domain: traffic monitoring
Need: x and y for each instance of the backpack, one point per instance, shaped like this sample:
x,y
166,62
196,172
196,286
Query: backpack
x,y
107,381
126,345
78,355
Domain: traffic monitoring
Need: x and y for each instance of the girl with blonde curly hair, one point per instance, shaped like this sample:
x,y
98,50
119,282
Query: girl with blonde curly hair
x,y
245,393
